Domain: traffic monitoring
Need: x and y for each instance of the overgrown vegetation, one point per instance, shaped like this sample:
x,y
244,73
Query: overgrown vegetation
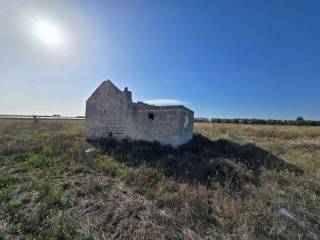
x,y
199,161
229,183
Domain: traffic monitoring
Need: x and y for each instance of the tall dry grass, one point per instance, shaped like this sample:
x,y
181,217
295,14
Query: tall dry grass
x,y
51,189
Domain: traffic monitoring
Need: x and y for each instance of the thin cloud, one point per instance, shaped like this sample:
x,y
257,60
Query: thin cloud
x,y
165,102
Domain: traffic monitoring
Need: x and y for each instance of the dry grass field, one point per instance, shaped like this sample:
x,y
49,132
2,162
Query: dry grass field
x,y
230,182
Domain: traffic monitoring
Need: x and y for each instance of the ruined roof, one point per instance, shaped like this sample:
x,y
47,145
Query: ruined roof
x,y
142,105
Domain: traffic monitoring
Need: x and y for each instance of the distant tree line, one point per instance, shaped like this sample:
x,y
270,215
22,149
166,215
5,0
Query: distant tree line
x,y
298,122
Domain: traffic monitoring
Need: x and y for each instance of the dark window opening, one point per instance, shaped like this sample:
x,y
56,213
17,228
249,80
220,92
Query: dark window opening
x,y
110,134
151,116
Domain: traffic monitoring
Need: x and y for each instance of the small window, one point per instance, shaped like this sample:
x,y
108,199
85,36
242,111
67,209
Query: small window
x,y
104,111
151,116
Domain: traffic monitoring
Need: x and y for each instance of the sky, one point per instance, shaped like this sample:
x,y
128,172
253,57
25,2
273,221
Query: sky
x,y
229,59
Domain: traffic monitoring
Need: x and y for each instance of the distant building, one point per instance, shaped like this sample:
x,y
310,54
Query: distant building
x,y
110,113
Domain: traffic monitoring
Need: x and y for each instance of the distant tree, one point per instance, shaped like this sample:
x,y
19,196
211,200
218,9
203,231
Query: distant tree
x,y
298,122
201,119
299,119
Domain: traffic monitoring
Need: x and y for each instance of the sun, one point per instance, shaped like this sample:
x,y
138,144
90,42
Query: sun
x,y
48,33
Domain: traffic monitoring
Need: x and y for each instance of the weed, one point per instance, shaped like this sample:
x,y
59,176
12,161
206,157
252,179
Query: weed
x,y
175,235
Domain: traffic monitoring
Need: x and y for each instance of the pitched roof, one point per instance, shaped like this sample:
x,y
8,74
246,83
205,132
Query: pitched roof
x,y
104,84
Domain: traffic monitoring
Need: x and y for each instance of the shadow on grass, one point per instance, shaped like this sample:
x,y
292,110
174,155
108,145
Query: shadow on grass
x,y
200,160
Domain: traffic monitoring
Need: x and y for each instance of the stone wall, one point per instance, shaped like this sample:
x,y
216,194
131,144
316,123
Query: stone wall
x,y
106,113
186,126
163,127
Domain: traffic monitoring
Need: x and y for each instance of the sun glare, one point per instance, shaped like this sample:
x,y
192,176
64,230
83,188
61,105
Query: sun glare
x,y
48,33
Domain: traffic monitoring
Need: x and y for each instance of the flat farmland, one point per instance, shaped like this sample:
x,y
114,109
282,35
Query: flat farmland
x,y
232,181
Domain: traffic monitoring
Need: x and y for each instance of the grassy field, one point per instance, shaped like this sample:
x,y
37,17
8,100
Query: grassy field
x,y
228,183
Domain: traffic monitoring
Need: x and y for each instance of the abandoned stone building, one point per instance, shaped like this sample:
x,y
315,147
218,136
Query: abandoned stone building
x,y
110,113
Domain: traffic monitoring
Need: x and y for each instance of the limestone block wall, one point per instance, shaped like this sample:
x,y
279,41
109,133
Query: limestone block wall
x,y
186,126
106,113
163,127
